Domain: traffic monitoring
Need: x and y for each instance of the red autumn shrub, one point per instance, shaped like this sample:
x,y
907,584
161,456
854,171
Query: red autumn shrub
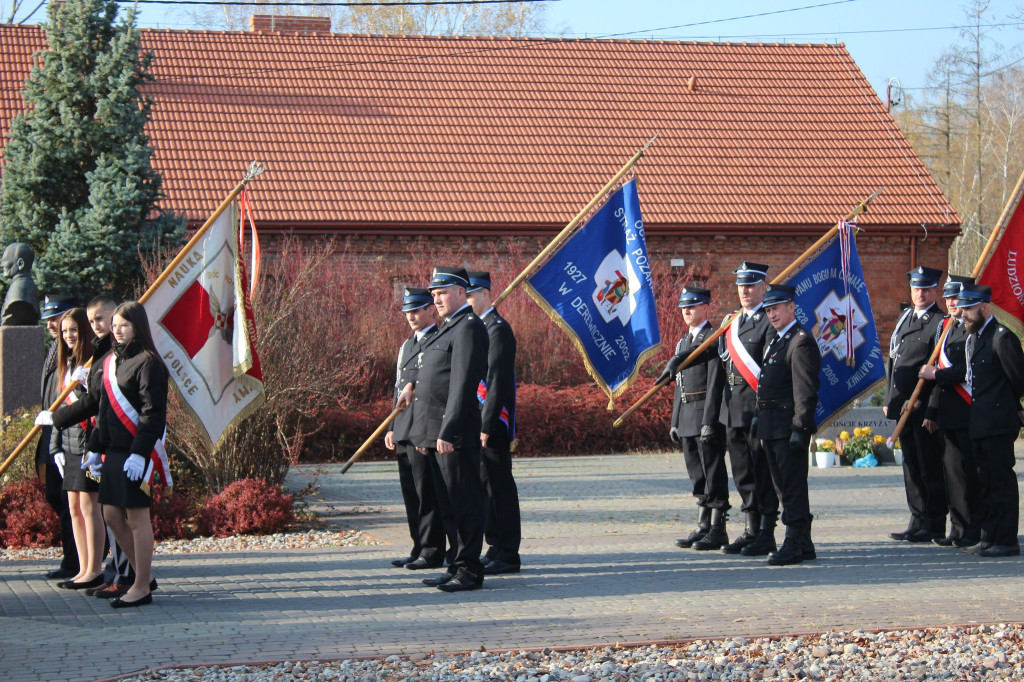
x,y
247,507
173,516
26,520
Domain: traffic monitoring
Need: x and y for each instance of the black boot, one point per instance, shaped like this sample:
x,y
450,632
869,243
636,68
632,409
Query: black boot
x,y
764,543
716,536
806,546
790,553
703,525
750,530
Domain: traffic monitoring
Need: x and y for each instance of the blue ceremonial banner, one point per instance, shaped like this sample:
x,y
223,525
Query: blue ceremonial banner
x,y
832,303
598,289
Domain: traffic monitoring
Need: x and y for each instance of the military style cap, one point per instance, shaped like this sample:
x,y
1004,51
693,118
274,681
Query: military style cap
x,y
57,304
953,284
449,277
973,294
691,296
414,299
750,273
778,293
924,278
478,280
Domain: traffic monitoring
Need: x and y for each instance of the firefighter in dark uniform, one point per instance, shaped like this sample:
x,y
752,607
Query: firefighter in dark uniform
x,y
497,397
995,372
741,349
425,527
446,424
787,395
910,346
695,422
949,407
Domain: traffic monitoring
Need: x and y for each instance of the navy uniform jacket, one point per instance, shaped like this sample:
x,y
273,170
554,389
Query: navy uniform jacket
x,y
454,362
789,375
914,342
997,363
706,375
405,373
498,390
740,401
945,405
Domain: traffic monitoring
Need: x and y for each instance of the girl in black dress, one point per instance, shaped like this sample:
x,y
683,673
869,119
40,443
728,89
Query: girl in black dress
x,y
69,445
132,418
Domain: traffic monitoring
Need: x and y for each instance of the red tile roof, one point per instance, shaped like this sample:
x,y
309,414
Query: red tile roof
x,y
359,130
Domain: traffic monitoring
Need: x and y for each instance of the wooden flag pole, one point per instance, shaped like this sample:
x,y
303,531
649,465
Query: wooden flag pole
x,y
545,252
254,171
1008,210
369,441
567,230
782,276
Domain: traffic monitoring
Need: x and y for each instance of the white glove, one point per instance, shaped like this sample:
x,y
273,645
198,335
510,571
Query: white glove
x,y
92,459
81,375
135,466
44,418
60,461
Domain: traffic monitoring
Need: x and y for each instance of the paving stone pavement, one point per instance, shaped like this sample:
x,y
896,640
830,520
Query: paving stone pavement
x,y
599,567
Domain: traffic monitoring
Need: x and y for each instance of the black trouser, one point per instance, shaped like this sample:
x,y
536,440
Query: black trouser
x,y
429,532
460,495
961,477
789,472
410,497
922,476
705,464
58,500
1000,499
751,474
502,526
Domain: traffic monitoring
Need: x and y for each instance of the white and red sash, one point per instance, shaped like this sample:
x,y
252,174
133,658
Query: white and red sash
x,y
743,361
129,418
963,389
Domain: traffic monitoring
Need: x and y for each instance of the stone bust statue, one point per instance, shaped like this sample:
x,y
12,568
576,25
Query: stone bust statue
x,y
21,305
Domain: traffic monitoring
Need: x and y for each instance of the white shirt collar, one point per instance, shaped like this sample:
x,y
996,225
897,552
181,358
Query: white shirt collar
x,y
423,332
487,312
787,328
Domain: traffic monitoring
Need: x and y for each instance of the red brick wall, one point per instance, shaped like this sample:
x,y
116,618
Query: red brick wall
x,y
289,24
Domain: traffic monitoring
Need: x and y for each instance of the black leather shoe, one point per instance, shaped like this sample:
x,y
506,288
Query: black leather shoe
x,y
965,542
497,567
438,580
902,536
462,582
808,551
72,585
945,542
420,563
61,574
398,563
120,603
1000,550
789,554
924,535
763,545
977,548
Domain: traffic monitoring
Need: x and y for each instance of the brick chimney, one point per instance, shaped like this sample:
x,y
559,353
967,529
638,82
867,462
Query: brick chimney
x,y
259,23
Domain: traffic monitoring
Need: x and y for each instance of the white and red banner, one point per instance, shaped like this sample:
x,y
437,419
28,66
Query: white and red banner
x,y
203,327
1005,268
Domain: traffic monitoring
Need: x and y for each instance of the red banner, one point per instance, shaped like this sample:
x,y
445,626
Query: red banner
x,y
1004,271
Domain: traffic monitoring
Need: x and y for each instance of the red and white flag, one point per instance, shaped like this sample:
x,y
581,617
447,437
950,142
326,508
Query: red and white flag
x,y
1004,271
204,330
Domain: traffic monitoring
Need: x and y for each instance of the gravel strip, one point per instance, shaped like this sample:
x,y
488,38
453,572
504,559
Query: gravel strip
x,y
238,543
962,653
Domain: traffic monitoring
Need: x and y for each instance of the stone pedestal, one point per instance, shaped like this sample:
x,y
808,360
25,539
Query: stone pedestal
x,y
21,364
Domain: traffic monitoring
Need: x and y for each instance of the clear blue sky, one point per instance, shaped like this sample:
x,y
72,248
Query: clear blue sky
x,y
884,36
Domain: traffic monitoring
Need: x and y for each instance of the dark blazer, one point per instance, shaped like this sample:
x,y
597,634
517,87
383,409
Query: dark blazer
x,y
498,418
405,373
789,376
87,405
740,401
48,383
143,380
997,363
706,375
945,404
454,363
915,340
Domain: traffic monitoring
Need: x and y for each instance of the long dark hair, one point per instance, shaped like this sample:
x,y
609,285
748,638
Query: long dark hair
x,y
135,312
67,357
